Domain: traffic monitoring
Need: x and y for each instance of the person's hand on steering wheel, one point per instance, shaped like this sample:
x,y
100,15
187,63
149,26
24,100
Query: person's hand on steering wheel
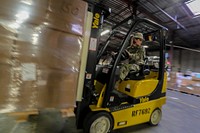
x,y
125,55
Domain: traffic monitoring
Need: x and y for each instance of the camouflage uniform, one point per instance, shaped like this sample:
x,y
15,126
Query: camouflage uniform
x,y
136,58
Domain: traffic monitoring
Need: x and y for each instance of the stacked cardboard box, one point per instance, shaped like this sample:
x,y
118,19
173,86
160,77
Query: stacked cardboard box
x,y
196,77
186,84
172,80
40,53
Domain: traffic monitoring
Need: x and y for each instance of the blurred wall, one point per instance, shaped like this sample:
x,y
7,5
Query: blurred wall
x,y
184,60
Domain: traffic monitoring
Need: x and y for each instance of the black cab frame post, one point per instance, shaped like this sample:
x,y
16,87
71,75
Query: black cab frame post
x,y
105,46
111,35
82,107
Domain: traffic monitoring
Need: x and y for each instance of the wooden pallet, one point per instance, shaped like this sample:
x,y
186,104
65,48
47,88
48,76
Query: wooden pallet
x,y
23,116
184,91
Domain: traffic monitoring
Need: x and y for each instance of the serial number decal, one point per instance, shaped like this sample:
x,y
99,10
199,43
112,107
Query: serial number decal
x,y
141,112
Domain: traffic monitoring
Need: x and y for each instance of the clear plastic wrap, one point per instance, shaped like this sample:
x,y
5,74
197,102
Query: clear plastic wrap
x,y
40,53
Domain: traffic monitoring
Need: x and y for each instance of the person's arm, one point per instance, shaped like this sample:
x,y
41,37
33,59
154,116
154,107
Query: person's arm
x,y
139,56
136,56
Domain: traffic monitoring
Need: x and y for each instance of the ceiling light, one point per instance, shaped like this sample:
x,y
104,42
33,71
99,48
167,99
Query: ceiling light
x,y
122,32
105,32
193,5
145,46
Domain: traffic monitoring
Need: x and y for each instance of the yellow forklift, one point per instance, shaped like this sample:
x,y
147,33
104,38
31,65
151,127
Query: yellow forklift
x,y
107,104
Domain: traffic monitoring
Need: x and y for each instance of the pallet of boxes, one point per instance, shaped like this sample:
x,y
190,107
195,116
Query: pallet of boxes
x,y
41,44
172,80
196,85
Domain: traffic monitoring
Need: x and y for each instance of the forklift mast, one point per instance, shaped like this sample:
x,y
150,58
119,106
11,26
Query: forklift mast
x,y
99,13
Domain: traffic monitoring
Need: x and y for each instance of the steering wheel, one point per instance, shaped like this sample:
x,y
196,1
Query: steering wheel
x,y
124,55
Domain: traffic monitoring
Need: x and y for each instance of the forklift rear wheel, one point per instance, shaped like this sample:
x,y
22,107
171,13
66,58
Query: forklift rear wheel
x,y
155,117
100,122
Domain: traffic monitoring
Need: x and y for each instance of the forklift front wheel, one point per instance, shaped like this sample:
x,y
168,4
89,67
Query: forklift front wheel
x,y
100,122
155,117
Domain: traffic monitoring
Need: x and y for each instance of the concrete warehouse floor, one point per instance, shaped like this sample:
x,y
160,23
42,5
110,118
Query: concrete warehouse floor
x,y
181,114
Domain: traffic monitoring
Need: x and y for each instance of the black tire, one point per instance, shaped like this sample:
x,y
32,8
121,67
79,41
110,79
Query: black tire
x,y
100,122
155,118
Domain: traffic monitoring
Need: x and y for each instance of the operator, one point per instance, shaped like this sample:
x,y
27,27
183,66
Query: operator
x,y
135,54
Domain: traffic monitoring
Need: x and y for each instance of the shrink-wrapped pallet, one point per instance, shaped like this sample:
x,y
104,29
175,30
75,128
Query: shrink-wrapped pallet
x,y
40,53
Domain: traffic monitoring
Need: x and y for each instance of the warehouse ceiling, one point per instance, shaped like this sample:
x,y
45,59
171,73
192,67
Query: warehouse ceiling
x,y
184,27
